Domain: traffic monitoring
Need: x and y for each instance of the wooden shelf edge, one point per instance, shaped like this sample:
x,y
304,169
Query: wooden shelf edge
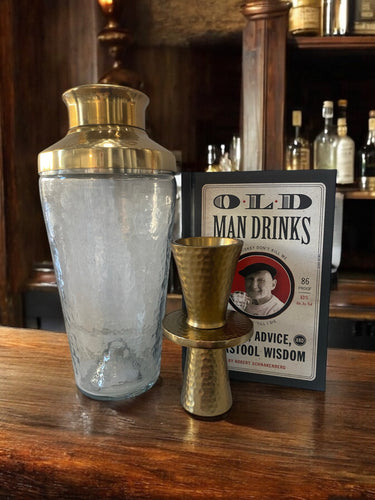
x,y
358,42
351,313
345,301
356,194
354,297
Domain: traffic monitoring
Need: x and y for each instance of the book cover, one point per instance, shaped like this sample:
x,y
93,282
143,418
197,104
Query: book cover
x,y
282,280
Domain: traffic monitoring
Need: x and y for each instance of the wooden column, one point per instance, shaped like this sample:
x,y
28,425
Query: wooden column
x,y
263,73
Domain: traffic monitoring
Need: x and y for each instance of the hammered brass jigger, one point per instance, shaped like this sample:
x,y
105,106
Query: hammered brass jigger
x,y
206,267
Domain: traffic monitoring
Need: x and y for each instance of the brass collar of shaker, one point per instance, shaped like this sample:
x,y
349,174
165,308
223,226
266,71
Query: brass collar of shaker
x,y
107,133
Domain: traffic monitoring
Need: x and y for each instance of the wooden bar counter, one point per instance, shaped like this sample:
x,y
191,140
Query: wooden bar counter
x,y
276,443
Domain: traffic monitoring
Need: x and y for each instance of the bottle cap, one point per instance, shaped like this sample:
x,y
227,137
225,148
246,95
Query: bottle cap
x,y
296,118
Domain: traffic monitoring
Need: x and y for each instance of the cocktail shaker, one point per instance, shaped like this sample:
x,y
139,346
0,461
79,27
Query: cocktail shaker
x,y
108,195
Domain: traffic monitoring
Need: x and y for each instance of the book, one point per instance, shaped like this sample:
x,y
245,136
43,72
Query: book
x,y
282,280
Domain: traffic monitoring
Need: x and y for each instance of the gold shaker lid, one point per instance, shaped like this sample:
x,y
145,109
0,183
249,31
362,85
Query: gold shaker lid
x,y
106,132
102,104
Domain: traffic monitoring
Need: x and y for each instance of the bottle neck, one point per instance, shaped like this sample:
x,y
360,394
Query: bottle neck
x,y
342,131
328,124
297,131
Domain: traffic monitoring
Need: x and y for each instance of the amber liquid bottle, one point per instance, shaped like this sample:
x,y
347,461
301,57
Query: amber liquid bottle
x,y
298,150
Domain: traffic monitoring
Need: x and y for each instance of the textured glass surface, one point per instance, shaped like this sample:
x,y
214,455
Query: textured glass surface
x,y
109,238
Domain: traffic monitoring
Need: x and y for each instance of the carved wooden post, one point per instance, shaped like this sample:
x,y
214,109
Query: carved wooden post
x,y
263,74
117,39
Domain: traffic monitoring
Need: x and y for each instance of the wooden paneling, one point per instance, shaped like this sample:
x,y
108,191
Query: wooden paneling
x,y
194,96
20,59
45,48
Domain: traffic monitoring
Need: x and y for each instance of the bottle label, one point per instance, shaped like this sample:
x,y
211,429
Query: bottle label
x,y
345,163
301,160
364,10
367,161
304,19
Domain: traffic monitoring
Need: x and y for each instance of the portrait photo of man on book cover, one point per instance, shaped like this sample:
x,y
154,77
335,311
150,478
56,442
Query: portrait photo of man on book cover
x,y
263,286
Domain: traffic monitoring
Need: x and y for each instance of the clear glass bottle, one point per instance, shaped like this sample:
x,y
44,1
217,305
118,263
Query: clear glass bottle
x,y
366,157
304,17
335,17
324,144
235,152
298,150
212,159
108,194
341,17
345,154
225,163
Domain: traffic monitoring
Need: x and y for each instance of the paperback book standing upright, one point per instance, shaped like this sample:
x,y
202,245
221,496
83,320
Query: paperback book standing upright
x,y
282,281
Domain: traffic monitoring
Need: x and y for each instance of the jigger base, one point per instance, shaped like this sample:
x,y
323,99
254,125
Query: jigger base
x,y
206,389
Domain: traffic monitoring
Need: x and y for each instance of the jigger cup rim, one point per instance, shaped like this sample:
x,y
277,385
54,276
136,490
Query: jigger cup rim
x,y
206,241
206,267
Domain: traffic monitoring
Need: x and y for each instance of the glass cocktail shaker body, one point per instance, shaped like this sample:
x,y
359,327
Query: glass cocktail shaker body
x,y
108,195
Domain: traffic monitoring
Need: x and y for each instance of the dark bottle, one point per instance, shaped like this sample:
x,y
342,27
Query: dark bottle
x,y
366,157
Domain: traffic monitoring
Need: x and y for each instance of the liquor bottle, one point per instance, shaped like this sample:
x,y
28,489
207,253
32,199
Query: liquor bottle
x,y
212,160
225,163
235,152
344,154
363,22
304,17
335,17
367,157
298,150
341,18
324,144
